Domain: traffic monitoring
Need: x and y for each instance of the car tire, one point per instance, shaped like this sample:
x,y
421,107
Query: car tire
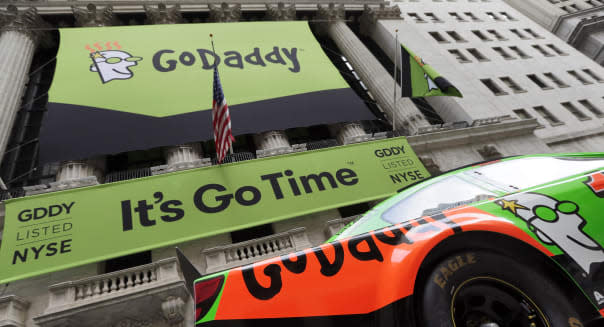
x,y
487,289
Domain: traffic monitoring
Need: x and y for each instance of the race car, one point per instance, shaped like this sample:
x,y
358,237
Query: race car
x,y
511,242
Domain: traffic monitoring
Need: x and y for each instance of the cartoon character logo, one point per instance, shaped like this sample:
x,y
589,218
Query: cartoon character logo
x,y
431,84
556,223
113,64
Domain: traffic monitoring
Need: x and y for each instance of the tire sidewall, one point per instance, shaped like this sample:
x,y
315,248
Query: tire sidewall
x,y
453,271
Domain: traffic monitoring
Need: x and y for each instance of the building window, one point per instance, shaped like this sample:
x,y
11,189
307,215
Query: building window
x,y
433,18
593,75
439,38
539,82
496,35
555,79
551,119
503,53
128,261
493,16
522,114
557,50
506,15
589,106
519,52
578,77
457,17
477,55
493,87
472,17
541,50
480,35
575,111
532,33
512,84
455,36
416,17
459,56
518,34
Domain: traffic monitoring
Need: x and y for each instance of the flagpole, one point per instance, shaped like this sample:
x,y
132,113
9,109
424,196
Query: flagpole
x,y
213,50
394,78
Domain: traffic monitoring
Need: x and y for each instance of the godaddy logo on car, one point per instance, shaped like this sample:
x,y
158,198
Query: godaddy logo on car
x,y
111,63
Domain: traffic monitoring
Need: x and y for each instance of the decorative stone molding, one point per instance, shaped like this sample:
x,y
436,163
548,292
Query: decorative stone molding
x,y
26,21
183,153
133,323
225,13
13,311
173,310
163,14
489,152
91,17
280,12
163,169
79,169
233,255
430,165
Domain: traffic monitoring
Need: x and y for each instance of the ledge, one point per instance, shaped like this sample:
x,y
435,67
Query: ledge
x,y
470,135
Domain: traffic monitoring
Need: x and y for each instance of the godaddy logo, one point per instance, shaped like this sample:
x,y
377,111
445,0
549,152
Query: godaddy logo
x,y
111,62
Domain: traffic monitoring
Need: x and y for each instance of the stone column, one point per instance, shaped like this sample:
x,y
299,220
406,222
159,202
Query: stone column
x,y
380,25
403,114
347,133
79,172
275,142
178,155
17,46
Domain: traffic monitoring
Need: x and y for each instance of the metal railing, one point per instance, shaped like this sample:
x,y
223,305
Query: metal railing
x,y
235,157
127,174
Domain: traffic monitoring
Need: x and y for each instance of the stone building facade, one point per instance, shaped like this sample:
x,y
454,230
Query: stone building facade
x,y
521,96
579,23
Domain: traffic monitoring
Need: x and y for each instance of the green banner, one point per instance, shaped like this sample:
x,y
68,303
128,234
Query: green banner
x,y
152,85
421,80
54,231
163,70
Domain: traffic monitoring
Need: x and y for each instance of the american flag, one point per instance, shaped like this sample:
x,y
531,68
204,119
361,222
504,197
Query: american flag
x,y
221,120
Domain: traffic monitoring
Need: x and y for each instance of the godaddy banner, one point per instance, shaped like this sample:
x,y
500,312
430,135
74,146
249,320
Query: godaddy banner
x,y
125,88
54,231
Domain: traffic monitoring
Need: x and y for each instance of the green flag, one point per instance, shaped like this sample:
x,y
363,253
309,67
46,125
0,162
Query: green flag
x,y
419,79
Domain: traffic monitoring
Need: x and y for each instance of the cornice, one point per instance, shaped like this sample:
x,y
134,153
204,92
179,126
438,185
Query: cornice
x,y
45,7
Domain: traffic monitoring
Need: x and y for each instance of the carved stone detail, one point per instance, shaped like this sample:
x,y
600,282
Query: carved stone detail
x,y
163,14
489,152
173,310
133,323
26,21
280,12
225,13
331,13
371,15
91,17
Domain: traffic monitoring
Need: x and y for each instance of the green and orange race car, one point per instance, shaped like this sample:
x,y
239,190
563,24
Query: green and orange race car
x,y
512,242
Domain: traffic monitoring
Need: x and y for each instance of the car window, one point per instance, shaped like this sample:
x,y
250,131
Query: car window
x,y
528,172
448,193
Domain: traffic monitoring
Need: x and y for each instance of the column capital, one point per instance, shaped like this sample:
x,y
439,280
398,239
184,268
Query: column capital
x,y
371,15
163,14
92,17
280,12
225,13
331,13
26,21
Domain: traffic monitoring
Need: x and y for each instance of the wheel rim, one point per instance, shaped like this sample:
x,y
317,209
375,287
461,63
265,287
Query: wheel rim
x,y
491,302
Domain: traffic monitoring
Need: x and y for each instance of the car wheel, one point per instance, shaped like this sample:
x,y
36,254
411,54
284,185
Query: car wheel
x,y
487,289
